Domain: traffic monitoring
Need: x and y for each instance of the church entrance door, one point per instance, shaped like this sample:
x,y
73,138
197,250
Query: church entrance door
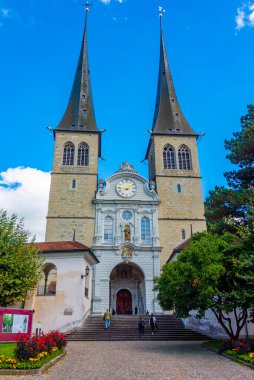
x,y
124,302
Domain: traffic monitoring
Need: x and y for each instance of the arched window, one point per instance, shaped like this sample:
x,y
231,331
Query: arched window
x,y
145,230
184,158
108,230
169,158
83,155
183,234
47,284
68,154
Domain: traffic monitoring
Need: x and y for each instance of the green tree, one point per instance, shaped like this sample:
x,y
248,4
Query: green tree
x,y
228,209
215,272
241,148
20,264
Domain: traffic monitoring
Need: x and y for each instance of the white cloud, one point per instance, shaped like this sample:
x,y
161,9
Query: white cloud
x,y
107,2
25,192
251,15
245,16
5,12
240,23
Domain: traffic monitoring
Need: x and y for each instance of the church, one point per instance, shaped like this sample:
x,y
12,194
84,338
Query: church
x,y
106,239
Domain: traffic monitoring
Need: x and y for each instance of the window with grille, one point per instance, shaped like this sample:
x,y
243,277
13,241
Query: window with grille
x,y
83,155
145,230
68,154
184,159
169,160
108,230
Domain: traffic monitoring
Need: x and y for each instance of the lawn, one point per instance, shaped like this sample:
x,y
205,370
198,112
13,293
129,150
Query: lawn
x,y
7,349
214,344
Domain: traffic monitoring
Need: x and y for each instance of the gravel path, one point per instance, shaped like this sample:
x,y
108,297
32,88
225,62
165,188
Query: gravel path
x,y
142,360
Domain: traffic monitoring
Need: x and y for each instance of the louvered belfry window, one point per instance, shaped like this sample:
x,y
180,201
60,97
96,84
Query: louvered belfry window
x,y
184,158
169,159
83,155
68,154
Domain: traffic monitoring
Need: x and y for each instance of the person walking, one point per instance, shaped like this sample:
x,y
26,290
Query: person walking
x,y
152,322
141,326
107,318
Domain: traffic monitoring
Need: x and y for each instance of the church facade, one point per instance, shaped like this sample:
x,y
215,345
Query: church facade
x,y
131,224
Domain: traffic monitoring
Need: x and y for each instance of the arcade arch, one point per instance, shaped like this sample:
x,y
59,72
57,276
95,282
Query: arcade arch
x,y
127,289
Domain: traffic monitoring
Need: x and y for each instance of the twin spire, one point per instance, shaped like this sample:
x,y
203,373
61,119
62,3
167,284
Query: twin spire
x,y
168,116
79,115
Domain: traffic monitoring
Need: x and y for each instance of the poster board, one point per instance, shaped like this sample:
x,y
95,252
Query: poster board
x,y
14,322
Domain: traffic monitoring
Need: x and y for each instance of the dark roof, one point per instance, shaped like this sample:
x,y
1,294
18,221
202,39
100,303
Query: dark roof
x,y
168,116
65,246
183,245
61,246
79,114
179,248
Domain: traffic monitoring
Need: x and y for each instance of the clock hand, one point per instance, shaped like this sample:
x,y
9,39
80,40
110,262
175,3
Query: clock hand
x,y
126,187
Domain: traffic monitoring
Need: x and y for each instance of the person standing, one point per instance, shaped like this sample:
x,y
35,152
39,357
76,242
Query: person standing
x,y
141,326
152,322
107,318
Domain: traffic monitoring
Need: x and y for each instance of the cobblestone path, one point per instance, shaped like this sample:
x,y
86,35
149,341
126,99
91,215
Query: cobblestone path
x,y
142,360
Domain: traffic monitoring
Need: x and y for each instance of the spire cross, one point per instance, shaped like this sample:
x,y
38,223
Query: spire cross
x,y
161,11
87,6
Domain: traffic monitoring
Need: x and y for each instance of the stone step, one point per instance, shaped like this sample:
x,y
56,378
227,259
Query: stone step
x,y
124,328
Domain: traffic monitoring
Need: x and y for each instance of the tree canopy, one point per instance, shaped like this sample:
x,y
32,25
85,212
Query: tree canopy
x,y
20,264
215,272
227,209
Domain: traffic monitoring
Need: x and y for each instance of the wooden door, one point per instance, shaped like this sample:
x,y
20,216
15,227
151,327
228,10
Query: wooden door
x,y
124,302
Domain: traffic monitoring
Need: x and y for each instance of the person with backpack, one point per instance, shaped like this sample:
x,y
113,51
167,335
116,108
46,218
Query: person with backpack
x,y
152,323
107,318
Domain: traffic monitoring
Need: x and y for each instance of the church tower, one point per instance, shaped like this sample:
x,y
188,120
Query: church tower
x,y
173,165
71,213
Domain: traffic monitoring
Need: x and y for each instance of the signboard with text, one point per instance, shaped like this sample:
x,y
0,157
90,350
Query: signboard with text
x,y
14,322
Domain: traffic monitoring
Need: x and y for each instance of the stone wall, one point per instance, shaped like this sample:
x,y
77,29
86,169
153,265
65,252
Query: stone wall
x,y
73,209
178,210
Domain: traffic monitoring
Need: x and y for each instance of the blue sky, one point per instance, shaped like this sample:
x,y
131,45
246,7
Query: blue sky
x,y
211,60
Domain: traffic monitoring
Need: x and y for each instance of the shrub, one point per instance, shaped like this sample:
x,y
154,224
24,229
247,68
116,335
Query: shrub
x,y
29,348
238,346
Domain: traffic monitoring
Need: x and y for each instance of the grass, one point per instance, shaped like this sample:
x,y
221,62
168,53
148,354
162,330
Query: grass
x,y
214,344
7,349
26,365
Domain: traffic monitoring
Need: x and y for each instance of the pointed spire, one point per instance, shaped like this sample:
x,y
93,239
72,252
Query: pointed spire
x,y
79,114
168,116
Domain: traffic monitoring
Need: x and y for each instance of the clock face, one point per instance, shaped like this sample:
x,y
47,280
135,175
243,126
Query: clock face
x,y
126,188
127,215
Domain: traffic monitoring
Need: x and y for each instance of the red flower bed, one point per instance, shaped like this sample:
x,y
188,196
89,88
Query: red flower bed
x,y
239,346
30,347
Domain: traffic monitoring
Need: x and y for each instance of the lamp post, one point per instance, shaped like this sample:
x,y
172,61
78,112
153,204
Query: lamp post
x,y
86,273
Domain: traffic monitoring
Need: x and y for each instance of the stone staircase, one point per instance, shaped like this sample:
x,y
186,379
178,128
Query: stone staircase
x,y
126,328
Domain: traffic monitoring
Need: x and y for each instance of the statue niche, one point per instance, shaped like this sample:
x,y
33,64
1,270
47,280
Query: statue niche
x,y
127,233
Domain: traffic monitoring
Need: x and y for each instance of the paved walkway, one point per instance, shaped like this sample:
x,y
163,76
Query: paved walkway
x,y
142,360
